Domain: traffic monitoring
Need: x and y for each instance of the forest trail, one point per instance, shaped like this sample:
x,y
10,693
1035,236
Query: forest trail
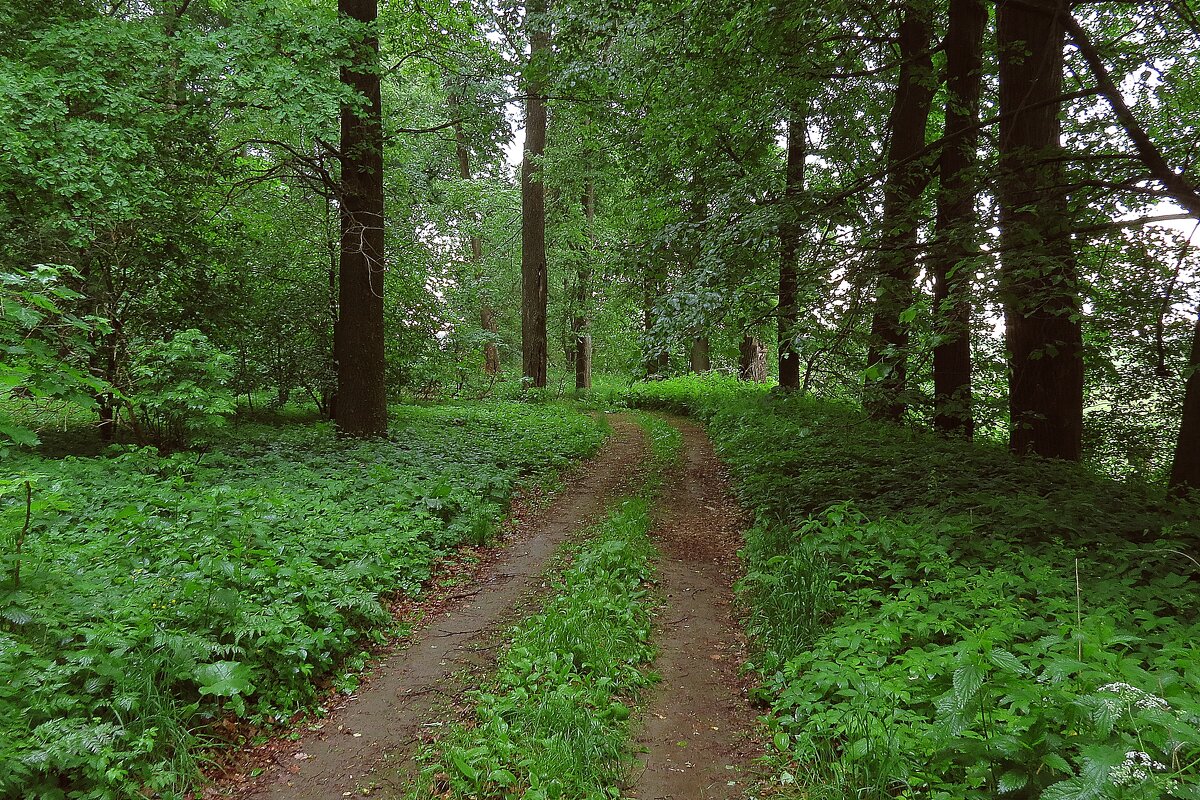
x,y
696,737
360,743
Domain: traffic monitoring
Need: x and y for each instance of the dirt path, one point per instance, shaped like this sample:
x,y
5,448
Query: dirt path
x,y
384,718
695,735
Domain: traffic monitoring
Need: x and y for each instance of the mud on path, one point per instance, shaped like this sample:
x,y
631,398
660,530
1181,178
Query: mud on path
x,y
696,739
360,743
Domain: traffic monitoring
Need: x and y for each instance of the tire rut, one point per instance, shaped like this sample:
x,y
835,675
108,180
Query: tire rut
x,y
695,742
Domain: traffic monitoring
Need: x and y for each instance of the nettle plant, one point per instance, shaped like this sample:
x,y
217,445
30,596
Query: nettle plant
x,y
928,674
181,387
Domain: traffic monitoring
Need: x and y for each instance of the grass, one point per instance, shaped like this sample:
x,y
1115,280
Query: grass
x,y
936,619
161,594
552,723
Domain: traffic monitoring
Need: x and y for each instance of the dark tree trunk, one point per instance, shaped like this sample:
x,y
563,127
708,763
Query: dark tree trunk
x,y
108,425
952,259
699,359
579,324
907,177
752,360
789,241
1185,471
362,379
534,279
487,315
1038,280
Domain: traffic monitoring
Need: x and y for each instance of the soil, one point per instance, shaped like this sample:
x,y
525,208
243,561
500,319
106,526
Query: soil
x,y
357,748
696,738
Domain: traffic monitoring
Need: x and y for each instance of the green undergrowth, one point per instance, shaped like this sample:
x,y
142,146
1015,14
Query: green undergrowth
x,y
552,722
937,619
159,594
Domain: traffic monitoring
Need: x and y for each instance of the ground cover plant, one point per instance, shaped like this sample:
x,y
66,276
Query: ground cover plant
x,y
159,594
937,619
552,723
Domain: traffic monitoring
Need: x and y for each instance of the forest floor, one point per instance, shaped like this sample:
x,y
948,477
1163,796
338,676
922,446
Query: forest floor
x,y
694,741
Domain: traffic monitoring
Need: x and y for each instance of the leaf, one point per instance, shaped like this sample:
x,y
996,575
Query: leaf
x,y
464,766
224,679
19,435
782,742
1011,781
967,680
1002,659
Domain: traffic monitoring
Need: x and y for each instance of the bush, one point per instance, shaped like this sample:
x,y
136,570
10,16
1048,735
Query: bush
x,y
180,387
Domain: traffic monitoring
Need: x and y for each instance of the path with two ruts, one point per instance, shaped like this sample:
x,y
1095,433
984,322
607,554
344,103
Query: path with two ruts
x,y
693,741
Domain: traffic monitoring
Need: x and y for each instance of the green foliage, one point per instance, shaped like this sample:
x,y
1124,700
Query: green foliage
x,y
162,593
553,721
970,625
44,346
181,387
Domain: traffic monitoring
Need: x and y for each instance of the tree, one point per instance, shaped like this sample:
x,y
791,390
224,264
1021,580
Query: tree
x,y
1185,468
359,338
907,177
534,277
789,249
952,258
1039,281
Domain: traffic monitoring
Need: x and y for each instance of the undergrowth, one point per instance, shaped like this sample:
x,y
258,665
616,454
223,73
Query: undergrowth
x,y
552,723
162,594
937,619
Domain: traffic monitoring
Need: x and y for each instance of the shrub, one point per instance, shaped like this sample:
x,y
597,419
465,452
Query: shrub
x,y
180,387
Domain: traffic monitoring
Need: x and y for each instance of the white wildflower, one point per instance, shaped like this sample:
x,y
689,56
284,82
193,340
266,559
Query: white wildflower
x,y
1136,767
1135,696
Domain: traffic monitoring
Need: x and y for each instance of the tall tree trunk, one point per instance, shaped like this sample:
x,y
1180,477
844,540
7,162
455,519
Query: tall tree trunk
x,y
955,236
1038,280
908,175
752,360
699,358
579,324
487,314
534,279
789,241
1185,471
362,379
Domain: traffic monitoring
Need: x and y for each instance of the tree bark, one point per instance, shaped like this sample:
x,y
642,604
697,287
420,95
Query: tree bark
x,y
534,278
699,358
487,314
789,241
1038,278
955,235
362,379
1185,470
752,360
908,175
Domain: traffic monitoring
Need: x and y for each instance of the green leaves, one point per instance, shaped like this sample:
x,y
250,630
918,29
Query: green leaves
x,y
224,679
949,658
44,348
159,592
